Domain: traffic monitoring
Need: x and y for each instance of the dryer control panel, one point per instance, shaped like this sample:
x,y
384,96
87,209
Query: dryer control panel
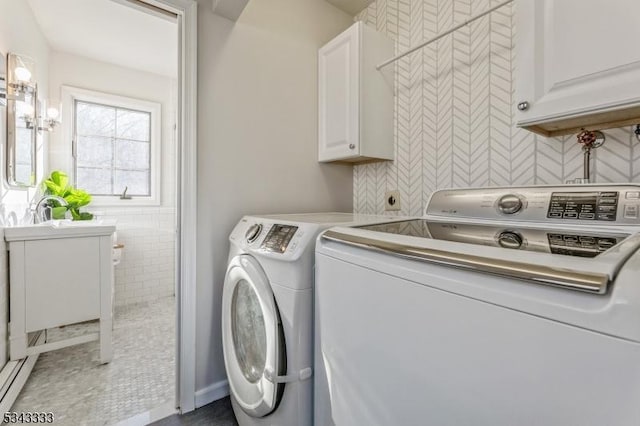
x,y
278,238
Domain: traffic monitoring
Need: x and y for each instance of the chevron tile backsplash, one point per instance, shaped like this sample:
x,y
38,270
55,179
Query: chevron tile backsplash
x,y
454,112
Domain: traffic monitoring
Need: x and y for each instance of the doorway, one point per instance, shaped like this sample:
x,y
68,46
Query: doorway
x,y
141,281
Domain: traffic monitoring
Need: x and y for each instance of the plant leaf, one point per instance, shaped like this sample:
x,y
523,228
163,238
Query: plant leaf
x,y
52,187
78,198
57,184
60,178
86,216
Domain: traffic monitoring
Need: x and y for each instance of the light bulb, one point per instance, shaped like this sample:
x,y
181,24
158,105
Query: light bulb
x,y
52,113
22,74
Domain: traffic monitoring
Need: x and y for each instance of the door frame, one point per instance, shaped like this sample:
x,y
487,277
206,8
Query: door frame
x,y
187,15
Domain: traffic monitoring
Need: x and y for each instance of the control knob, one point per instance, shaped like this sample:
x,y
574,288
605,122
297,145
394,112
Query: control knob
x,y
253,232
510,204
510,240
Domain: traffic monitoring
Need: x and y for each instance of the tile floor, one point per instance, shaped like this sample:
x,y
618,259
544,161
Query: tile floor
x,y
71,384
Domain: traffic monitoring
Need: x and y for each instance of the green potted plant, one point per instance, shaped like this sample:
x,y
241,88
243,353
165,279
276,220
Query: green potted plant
x,y
58,184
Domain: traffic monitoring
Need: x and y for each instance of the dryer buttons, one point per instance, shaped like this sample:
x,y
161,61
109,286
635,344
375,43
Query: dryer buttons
x,y
278,238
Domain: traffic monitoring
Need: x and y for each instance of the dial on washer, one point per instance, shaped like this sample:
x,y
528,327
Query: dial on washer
x,y
510,204
253,232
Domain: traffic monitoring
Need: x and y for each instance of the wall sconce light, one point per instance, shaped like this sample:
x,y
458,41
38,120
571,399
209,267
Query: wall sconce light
x,y
21,87
49,117
20,80
26,113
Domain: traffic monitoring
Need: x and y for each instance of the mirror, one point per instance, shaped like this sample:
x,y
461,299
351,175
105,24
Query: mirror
x,y
21,110
3,100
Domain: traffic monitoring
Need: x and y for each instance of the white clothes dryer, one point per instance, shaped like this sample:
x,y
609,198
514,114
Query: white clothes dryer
x,y
267,315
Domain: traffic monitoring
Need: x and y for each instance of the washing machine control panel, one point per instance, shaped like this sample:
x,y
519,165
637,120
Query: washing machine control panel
x,y
278,238
584,205
610,204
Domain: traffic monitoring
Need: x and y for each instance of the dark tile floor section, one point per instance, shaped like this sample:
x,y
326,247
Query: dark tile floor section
x,y
218,413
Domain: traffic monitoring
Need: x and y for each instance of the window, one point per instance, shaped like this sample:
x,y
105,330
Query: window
x,y
113,147
116,146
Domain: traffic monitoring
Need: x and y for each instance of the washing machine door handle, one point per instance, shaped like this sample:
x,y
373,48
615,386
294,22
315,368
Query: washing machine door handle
x,y
303,374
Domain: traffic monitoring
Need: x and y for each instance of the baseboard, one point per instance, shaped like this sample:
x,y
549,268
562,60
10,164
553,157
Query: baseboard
x,y
149,417
212,393
15,374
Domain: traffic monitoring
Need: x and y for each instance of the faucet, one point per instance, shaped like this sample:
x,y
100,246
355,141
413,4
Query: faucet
x,y
43,207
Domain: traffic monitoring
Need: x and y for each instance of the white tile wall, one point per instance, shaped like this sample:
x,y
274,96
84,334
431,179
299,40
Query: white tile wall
x,y
147,269
454,112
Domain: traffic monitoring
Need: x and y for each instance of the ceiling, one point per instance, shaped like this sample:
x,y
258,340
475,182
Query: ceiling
x,y
110,31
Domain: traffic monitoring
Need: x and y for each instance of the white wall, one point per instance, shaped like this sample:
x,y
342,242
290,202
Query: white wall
x,y
147,271
19,33
257,138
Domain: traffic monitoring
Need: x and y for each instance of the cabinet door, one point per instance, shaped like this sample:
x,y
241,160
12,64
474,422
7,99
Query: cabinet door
x,y
338,83
576,57
62,281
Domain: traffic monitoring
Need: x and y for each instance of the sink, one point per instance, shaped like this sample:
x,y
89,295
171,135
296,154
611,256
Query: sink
x,y
74,223
59,229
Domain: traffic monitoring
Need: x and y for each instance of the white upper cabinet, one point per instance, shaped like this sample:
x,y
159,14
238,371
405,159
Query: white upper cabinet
x,y
578,64
355,100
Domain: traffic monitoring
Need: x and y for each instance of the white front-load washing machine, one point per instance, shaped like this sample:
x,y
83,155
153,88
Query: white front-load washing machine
x,y
267,315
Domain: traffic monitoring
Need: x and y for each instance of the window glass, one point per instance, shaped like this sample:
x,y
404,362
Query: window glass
x,y
113,149
132,155
133,125
93,180
94,151
95,120
137,182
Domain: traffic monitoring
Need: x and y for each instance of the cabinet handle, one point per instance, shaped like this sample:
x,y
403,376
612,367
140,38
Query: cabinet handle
x,y
523,106
352,146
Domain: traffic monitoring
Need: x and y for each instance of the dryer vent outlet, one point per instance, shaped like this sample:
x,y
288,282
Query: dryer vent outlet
x,y
392,200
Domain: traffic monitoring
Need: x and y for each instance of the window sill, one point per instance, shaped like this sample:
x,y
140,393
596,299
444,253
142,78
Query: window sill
x,y
116,201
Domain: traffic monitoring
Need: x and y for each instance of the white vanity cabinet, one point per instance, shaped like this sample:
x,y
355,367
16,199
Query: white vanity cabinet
x,y
355,122
578,64
59,276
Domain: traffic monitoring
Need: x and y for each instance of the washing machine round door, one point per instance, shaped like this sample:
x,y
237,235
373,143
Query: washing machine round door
x,y
252,337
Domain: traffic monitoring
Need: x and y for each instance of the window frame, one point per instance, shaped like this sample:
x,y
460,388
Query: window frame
x,y
71,95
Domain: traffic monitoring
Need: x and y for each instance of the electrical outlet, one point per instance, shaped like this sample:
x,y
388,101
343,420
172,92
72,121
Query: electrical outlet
x,y
392,200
